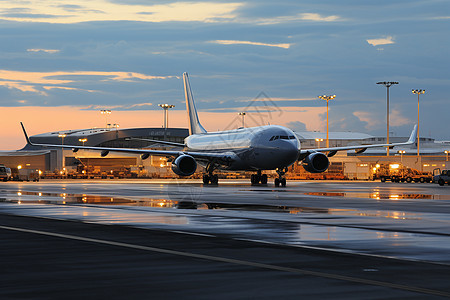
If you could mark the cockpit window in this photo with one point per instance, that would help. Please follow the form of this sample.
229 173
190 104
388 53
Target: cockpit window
282 137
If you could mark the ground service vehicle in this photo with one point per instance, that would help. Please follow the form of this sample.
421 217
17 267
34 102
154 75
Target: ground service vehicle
402 174
441 177
5 173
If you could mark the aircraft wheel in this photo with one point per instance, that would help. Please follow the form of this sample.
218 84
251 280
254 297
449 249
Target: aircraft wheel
205 179
283 182
214 179
264 179
277 182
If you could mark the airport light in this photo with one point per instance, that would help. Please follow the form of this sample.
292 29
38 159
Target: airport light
418 92
318 142
166 113
387 84
327 98
401 155
62 136
116 126
243 116
83 141
446 153
106 112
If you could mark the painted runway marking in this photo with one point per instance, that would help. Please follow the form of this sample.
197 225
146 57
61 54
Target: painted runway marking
236 262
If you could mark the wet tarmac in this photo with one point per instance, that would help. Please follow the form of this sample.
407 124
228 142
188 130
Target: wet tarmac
404 221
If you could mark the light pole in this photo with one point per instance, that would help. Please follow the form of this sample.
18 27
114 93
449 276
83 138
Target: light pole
418 92
401 155
318 142
166 114
446 153
62 136
243 116
83 141
106 112
327 98
387 84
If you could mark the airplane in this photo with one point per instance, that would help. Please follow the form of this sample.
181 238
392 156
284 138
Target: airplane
269 147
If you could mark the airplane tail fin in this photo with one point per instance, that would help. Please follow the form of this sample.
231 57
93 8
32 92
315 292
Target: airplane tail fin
26 135
413 136
194 124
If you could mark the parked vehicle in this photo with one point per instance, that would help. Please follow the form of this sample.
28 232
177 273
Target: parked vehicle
5 173
402 174
441 178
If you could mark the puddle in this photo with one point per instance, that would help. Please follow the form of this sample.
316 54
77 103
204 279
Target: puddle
380 196
25 197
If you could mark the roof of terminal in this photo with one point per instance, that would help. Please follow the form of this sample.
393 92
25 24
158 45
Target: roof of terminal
311 135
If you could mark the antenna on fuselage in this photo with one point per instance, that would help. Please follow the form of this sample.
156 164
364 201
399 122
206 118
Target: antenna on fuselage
194 124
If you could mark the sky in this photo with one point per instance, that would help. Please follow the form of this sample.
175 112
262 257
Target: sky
63 61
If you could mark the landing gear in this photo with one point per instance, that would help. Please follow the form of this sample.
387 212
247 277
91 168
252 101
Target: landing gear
281 180
258 178
210 178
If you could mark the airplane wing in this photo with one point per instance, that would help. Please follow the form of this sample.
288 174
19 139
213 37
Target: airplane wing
359 148
220 157
173 144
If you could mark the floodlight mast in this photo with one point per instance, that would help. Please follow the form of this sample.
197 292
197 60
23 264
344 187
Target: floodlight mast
166 114
418 92
387 84
327 98
242 114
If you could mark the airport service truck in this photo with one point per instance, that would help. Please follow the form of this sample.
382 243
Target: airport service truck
5 173
441 177
402 174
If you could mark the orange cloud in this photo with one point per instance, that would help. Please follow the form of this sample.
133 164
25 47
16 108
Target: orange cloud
58 11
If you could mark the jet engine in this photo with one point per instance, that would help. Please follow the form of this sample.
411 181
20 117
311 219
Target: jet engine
316 162
184 165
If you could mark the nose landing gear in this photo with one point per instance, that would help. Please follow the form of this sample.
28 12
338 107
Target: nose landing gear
281 180
210 178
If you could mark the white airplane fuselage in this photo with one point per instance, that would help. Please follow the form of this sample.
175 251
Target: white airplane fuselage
257 148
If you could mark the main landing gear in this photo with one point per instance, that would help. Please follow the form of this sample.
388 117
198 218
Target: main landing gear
281 180
210 178
258 178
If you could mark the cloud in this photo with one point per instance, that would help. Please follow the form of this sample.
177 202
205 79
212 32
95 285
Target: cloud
314 17
102 10
30 81
372 121
381 41
51 51
232 42
296 126
318 17
121 107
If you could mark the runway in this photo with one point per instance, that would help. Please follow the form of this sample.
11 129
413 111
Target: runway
376 224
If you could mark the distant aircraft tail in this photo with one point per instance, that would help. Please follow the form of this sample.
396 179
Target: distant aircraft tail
194 124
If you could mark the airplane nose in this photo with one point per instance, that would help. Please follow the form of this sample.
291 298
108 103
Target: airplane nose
290 153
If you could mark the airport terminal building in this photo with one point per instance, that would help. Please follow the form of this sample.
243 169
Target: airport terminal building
93 164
